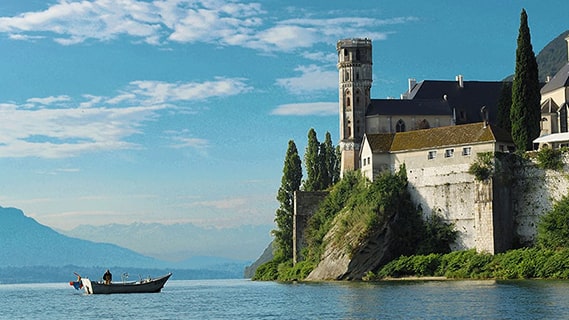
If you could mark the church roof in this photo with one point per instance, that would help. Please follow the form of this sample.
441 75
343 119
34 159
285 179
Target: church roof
559 80
437 137
469 98
408 107
380 142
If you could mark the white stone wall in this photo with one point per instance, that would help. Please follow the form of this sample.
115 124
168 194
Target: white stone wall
538 191
452 192
448 192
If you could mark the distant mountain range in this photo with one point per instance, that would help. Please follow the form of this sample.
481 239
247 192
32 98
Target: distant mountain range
33 252
179 242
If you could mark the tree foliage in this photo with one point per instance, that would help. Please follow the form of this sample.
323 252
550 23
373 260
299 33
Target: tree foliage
525 112
290 182
313 163
321 162
553 227
331 162
504 105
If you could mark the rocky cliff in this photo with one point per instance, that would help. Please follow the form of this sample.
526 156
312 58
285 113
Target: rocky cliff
351 255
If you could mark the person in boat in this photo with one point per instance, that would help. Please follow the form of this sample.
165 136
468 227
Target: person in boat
76 284
107 277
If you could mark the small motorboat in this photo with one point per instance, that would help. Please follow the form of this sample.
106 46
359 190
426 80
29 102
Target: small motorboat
148 285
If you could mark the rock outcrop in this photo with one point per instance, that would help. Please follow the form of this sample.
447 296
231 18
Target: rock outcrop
352 255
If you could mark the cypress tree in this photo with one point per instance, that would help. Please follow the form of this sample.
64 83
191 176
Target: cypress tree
331 163
525 112
290 182
313 163
504 105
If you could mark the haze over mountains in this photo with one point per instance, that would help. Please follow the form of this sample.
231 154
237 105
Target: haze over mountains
40 251
178 242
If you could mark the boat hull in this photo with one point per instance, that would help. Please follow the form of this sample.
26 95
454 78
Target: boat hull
143 286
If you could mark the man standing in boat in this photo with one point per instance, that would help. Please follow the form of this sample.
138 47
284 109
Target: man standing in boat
107 277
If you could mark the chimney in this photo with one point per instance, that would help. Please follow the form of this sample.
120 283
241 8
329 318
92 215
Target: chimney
413 82
460 81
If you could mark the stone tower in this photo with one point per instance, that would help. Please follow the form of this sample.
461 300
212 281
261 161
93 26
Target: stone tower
355 77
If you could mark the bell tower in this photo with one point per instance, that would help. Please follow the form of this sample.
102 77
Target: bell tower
355 78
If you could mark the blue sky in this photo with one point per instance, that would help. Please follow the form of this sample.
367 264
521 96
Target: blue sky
121 111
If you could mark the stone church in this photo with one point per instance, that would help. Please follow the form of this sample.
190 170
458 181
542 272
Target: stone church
426 104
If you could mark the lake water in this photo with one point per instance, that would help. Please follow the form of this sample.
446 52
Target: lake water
243 299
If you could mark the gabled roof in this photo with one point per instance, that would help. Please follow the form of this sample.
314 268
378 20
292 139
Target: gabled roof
549 106
437 137
408 107
380 142
559 80
469 98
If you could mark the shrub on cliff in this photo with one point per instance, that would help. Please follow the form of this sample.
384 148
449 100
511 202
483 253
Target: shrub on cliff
553 227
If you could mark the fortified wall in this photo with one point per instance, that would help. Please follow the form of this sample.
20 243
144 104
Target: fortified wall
491 216
305 205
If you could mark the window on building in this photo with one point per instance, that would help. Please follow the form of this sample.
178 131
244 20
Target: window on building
449 153
466 151
423 124
368 160
364 162
432 155
347 101
400 126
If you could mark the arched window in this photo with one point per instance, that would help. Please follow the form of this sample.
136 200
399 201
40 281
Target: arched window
347 101
423 124
400 126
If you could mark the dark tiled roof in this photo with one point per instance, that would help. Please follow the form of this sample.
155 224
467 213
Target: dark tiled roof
437 137
408 107
560 80
469 99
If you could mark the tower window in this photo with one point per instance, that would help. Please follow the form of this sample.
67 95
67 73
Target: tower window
347 101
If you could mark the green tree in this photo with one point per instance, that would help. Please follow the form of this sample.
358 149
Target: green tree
331 162
525 112
504 106
313 163
290 182
553 227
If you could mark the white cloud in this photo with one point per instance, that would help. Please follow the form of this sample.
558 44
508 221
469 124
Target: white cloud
159 91
222 22
53 130
307 109
49 100
312 78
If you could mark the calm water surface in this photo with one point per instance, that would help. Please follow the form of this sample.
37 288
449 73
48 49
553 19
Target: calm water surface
243 299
